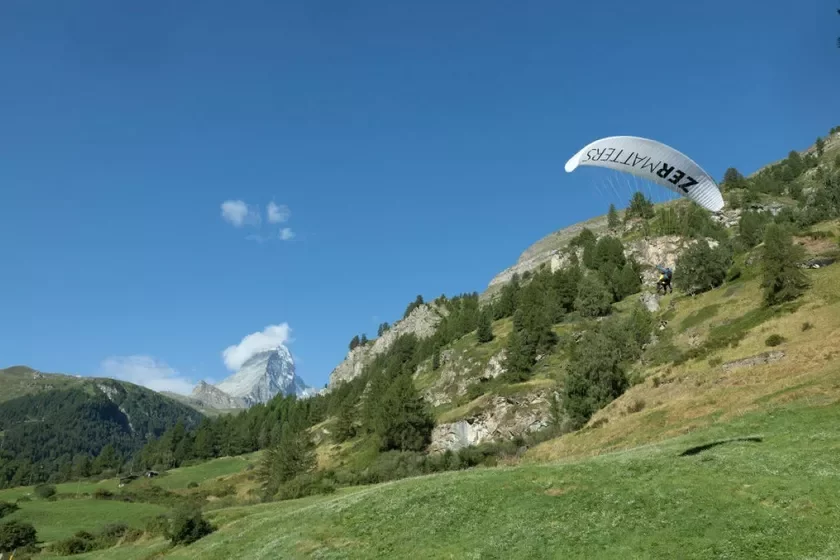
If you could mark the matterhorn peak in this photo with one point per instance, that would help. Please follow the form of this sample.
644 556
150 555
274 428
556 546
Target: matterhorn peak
264 375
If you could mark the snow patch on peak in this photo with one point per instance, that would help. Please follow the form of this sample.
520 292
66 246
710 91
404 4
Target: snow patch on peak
264 375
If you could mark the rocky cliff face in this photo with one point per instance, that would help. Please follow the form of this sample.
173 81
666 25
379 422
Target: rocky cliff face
421 322
209 396
503 418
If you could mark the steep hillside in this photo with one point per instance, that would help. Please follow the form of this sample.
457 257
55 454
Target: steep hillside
18 381
58 432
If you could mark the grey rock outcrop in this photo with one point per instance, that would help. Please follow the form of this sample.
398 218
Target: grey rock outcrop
421 322
210 396
650 301
760 359
502 419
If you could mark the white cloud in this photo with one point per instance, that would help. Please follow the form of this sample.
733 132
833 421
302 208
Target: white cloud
286 234
239 214
146 371
277 214
271 337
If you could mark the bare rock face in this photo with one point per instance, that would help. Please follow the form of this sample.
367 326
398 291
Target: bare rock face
495 367
457 373
210 396
650 301
503 419
760 359
422 322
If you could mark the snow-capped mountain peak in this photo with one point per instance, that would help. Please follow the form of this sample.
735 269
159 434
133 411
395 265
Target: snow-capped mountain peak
265 375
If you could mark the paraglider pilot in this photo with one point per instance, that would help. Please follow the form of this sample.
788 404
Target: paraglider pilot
664 281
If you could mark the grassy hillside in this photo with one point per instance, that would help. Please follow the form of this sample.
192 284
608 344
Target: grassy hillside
739 499
18 381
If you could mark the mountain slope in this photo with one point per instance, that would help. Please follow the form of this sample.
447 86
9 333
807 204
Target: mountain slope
17 381
44 433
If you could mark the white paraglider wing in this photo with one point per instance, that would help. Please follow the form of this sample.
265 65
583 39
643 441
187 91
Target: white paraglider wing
655 162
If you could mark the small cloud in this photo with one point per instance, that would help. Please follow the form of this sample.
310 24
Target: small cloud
286 234
146 371
271 337
239 214
277 214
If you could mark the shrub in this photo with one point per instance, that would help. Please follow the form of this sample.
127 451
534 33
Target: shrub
73 545
192 485
637 405
114 531
7 508
700 268
306 485
806 326
774 340
715 362
102 494
157 526
45 491
188 525
16 534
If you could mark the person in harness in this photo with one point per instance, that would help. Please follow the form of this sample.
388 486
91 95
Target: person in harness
664 282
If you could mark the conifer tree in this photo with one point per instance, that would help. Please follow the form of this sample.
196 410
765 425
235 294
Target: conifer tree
783 280
404 421
485 327
593 298
612 218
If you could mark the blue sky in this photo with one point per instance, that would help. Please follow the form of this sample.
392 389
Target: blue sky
406 148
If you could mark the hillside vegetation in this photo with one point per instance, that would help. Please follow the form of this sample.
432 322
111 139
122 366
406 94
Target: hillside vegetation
78 428
589 415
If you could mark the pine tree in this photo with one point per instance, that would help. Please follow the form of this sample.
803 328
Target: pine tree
516 362
507 302
436 360
595 377
751 229
783 280
107 460
820 145
344 428
354 343
593 298
363 340
404 421
640 207
612 218
485 327
628 281
81 466
293 455
732 179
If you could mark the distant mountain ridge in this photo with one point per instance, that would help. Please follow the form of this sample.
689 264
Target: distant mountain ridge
56 423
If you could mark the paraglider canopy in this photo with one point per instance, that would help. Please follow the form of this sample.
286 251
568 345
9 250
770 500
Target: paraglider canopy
654 161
